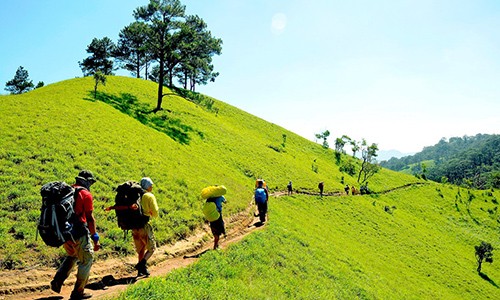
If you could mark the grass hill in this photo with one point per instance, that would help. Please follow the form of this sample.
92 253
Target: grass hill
412 239
52 132
411 243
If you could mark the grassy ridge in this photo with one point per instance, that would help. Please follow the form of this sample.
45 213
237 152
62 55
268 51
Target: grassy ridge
422 247
53 132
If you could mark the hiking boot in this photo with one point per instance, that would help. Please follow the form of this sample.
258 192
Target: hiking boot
143 272
79 296
56 287
141 268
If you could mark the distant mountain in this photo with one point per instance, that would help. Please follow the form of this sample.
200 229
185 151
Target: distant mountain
388 154
473 161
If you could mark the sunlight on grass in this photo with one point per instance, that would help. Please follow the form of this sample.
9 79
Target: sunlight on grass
406 241
342 248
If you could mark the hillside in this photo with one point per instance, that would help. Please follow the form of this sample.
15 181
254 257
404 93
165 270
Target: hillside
51 133
415 242
471 161
411 239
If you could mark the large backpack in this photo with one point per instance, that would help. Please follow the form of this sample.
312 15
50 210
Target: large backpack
260 195
210 210
129 193
57 217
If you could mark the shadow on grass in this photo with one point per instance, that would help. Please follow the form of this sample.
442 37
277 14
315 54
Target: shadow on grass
129 105
485 277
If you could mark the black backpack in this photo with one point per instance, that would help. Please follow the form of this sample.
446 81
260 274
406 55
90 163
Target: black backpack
57 217
129 193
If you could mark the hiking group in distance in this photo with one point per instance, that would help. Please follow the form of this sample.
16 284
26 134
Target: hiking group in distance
67 220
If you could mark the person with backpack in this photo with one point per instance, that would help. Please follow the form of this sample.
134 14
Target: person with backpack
217 225
212 210
134 205
289 188
79 248
261 197
321 186
144 238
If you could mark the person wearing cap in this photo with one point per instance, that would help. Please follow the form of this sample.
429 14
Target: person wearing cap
80 251
144 239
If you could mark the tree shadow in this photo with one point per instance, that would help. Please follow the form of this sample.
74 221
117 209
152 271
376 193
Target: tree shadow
487 278
130 105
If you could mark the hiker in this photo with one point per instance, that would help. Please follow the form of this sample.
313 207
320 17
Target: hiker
217 226
261 197
289 187
134 205
144 238
353 190
80 250
321 185
346 189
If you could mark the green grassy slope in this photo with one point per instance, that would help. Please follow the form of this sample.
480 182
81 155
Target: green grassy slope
412 243
53 132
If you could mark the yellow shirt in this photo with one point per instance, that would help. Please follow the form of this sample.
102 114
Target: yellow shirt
149 205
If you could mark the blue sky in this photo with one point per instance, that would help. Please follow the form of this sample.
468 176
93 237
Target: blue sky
401 73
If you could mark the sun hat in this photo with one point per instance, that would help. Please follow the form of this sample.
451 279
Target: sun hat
146 183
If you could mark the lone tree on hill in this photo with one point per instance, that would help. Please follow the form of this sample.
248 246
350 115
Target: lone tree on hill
483 252
163 18
99 77
341 142
181 44
368 166
324 135
101 59
20 83
354 147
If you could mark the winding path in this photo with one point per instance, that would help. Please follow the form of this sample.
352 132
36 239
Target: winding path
111 276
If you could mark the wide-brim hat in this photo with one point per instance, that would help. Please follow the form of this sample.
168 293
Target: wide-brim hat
86 175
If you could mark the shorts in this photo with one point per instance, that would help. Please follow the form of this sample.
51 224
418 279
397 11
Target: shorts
218 226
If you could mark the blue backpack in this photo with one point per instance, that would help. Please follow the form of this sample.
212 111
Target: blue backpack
260 196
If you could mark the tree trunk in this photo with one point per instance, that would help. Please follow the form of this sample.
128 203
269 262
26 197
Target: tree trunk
479 264
170 78
138 67
160 84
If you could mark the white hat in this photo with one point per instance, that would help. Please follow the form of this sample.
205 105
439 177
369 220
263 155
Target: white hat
146 183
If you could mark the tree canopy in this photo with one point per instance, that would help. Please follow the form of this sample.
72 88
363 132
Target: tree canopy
472 161
131 50
20 83
163 19
164 42
101 51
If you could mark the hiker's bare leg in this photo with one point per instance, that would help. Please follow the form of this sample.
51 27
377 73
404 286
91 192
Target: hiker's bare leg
216 241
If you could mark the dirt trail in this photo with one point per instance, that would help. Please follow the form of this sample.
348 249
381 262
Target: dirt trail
111 276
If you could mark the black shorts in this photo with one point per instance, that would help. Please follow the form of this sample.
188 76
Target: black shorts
218 226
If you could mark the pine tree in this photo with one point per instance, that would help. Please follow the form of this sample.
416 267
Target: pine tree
20 83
